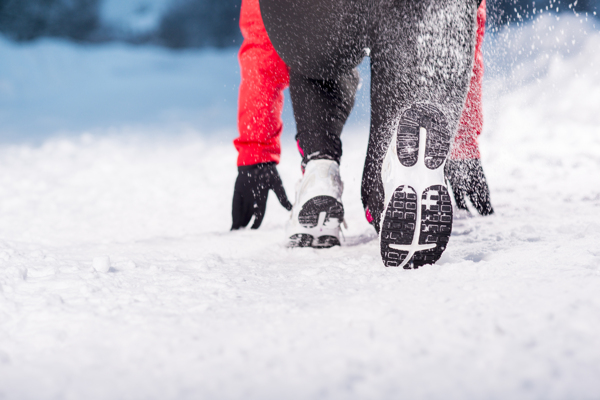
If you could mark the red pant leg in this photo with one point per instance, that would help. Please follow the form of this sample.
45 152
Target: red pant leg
264 78
471 123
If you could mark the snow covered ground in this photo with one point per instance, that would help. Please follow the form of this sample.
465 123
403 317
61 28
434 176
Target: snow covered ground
189 310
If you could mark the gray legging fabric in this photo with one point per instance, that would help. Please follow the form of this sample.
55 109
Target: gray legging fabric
421 53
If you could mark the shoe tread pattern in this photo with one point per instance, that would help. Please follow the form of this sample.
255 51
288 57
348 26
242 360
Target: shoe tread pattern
325 242
300 240
438 136
436 224
398 226
309 215
407 140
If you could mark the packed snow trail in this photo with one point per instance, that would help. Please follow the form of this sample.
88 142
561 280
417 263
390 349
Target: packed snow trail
190 310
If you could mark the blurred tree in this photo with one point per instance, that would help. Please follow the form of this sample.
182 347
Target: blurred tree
198 23
29 19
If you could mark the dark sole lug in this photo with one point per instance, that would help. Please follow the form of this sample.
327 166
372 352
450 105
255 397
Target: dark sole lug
436 224
309 215
399 224
306 240
300 240
326 242
438 136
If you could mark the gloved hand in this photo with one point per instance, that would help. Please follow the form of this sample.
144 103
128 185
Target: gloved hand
251 191
467 179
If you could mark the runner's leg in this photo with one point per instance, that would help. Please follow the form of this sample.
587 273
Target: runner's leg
423 54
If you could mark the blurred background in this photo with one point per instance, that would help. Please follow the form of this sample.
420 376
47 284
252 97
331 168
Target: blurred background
68 66
169 23
183 23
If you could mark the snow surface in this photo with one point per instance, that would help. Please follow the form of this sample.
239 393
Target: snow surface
189 310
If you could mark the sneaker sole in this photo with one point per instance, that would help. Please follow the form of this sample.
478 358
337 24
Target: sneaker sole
417 221
318 225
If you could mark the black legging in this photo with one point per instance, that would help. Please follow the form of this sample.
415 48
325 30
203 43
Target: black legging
421 53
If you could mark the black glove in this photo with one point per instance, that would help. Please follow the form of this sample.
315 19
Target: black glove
468 180
251 191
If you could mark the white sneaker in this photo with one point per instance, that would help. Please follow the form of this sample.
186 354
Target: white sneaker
417 219
318 210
